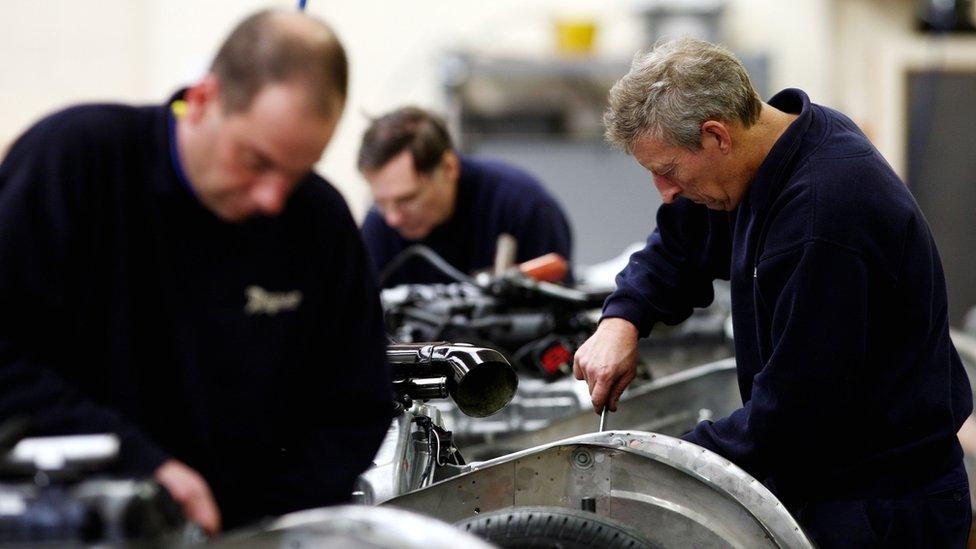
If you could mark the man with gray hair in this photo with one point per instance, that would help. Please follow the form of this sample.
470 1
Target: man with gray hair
178 275
852 389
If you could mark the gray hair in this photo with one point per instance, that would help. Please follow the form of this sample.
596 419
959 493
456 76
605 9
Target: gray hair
673 88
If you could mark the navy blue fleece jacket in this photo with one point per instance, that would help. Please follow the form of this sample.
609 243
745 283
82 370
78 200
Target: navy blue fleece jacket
493 198
127 307
850 383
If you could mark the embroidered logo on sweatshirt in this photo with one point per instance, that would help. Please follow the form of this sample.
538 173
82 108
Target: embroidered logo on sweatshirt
261 301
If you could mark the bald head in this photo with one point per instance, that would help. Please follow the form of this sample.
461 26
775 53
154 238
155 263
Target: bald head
272 47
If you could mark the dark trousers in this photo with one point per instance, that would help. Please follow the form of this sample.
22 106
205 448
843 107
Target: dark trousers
936 515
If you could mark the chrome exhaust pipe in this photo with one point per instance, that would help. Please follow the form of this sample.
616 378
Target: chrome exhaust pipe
479 380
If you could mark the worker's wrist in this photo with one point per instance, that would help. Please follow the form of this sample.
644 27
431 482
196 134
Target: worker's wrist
629 310
619 326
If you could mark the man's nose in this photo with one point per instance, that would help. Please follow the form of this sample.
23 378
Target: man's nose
270 193
668 189
394 217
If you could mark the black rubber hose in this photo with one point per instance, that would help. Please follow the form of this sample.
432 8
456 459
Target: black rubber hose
419 250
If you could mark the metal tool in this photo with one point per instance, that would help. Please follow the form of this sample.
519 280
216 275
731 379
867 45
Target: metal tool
505 250
603 418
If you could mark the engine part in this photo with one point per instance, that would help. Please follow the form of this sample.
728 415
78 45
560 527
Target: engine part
479 380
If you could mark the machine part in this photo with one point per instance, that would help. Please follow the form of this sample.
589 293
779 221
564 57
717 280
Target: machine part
92 512
551 267
676 494
537 404
436 445
506 247
400 463
582 459
552 528
549 357
539 327
671 405
705 415
48 495
135 510
352 527
60 455
479 380
418 450
556 357
422 389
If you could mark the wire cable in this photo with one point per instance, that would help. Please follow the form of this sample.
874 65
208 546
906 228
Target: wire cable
429 468
419 250
437 456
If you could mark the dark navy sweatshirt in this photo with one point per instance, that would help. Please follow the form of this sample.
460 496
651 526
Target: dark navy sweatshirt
253 352
850 383
493 198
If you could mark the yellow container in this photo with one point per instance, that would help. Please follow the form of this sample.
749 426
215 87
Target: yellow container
575 36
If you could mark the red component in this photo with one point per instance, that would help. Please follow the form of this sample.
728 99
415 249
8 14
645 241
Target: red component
554 357
548 268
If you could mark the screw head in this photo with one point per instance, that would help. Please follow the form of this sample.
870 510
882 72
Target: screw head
582 458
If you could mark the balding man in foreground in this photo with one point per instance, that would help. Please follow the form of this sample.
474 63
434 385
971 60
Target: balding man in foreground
177 275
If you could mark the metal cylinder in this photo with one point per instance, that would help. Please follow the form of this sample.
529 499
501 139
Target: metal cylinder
479 379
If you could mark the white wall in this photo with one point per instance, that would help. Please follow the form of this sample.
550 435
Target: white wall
395 47
797 34
873 58
58 52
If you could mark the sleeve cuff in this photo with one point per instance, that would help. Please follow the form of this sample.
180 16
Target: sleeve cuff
631 311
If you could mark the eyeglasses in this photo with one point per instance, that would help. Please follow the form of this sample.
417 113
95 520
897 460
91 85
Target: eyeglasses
414 200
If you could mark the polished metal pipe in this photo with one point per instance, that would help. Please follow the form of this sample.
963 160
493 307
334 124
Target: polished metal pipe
480 380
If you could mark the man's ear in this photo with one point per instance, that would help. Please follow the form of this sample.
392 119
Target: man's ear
451 165
716 134
201 96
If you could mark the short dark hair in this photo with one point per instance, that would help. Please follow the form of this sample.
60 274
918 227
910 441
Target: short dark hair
421 132
274 46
